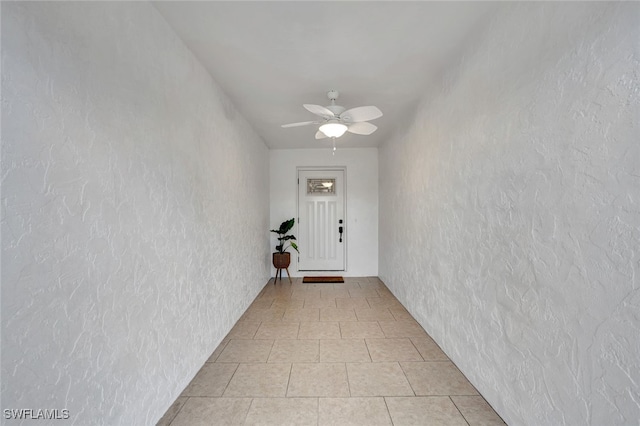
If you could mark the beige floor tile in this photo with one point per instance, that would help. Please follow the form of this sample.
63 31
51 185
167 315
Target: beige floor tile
246 351
320 379
337 314
437 378
171 413
402 329
378 379
288 350
271 281
211 380
322 354
384 291
288 303
401 314
344 350
244 330
476 411
319 303
351 282
306 294
373 285
375 314
315 286
418 411
360 330
266 288
392 350
283 411
334 293
388 302
353 285
319 330
257 314
429 350
277 292
352 303
305 314
278 330
259 380
284 294
283 280
340 286
216 353
353 412
363 292
262 302
200 411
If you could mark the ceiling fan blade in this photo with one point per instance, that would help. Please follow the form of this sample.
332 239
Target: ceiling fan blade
320 135
362 128
364 113
302 123
319 110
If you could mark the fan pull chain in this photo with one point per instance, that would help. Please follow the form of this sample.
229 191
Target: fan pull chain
333 152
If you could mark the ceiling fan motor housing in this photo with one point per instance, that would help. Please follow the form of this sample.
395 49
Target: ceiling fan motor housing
335 109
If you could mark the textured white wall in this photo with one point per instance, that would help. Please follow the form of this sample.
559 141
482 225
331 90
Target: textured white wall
510 215
362 200
135 211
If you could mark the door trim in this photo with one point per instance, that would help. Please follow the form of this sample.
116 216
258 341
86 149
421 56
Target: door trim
346 240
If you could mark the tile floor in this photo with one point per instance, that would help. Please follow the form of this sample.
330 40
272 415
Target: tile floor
329 354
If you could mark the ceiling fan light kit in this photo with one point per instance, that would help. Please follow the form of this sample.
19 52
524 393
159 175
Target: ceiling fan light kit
336 120
333 129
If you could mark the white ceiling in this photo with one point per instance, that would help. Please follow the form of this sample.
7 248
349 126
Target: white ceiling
271 57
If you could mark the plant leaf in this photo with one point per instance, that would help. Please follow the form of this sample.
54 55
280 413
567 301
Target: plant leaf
286 226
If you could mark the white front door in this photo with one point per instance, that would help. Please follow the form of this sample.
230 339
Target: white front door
321 218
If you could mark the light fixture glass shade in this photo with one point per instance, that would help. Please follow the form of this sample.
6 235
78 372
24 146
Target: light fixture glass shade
333 130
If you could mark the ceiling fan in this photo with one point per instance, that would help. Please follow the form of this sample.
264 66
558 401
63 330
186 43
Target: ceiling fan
336 120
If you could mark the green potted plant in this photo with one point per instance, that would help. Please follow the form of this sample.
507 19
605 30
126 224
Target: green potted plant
282 258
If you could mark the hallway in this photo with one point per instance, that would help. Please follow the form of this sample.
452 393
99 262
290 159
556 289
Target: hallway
329 354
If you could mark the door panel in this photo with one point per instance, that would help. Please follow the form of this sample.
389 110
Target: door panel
321 205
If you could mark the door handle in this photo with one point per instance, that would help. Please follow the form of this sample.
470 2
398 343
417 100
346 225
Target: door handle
340 229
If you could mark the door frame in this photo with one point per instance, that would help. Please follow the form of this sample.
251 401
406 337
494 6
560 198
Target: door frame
344 207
